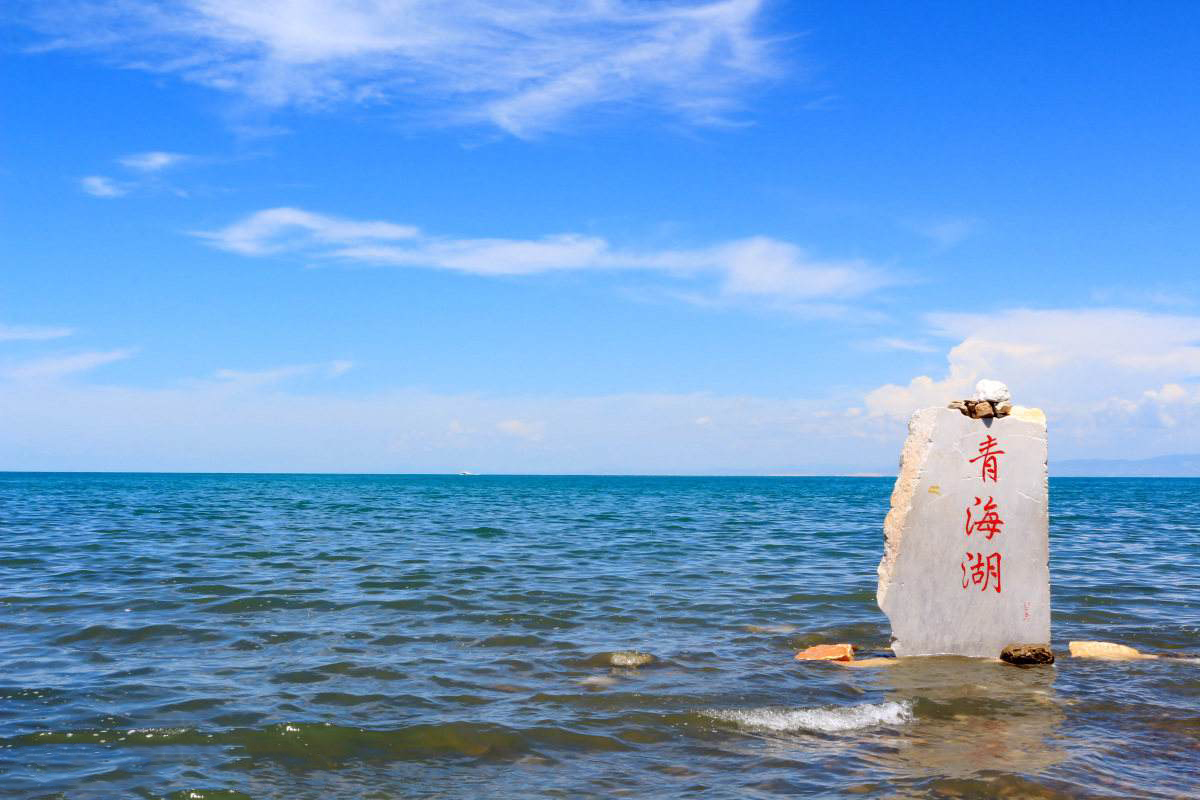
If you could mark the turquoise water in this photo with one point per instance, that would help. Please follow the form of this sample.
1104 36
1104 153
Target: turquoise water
203 636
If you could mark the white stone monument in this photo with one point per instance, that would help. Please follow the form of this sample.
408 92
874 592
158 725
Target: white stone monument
965 568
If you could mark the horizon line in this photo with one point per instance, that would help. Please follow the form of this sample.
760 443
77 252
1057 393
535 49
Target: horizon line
871 475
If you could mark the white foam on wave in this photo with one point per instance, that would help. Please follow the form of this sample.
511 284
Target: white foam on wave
830 719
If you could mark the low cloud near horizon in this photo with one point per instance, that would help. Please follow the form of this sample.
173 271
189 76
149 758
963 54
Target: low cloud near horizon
211 426
1115 383
1102 375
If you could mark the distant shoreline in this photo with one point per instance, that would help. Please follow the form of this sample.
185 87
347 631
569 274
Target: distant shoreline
1063 470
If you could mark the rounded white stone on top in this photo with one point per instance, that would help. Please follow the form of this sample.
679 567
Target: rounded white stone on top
992 391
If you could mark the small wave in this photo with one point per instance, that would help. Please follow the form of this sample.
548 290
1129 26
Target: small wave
327 746
486 532
94 634
830 719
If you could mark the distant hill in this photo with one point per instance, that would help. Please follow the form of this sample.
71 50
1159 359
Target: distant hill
1176 466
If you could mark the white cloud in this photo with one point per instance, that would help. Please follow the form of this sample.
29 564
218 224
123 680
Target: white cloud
145 169
1115 384
32 333
1111 380
893 343
152 161
947 232
266 377
521 428
278 230
1170 406
54 367
205 426
521 65
100 186
744 268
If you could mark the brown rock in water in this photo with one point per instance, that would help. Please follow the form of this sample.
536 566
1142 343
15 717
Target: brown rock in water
1026 654
630 658
1108 651
982 410
827 652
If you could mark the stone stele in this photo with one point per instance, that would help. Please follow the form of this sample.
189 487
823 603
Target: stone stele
937 583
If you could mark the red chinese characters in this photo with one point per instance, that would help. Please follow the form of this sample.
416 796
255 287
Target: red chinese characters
989 523
990 467
981 571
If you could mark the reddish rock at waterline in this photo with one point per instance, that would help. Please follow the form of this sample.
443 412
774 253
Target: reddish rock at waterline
827 652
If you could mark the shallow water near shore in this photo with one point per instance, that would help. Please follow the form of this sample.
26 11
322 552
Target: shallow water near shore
207 636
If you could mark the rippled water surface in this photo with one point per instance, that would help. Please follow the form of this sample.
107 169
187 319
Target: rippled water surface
205 636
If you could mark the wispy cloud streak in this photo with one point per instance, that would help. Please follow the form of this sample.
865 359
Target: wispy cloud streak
101 186
757 266
32 333
55 367
521 65
152 161
268 377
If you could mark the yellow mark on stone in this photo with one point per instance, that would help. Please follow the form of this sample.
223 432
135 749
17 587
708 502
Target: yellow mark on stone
1034 415
935 489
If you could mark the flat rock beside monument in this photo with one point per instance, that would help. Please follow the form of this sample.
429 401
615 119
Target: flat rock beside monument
1106 651
827 652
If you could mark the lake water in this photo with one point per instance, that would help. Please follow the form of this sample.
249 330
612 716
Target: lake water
205 636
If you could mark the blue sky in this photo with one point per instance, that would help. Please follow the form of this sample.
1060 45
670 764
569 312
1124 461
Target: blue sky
728 236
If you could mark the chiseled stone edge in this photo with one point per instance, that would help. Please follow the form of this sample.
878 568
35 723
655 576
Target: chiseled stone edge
912 459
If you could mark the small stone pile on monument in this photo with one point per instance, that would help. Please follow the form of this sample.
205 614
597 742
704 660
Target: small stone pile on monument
965 569
992 399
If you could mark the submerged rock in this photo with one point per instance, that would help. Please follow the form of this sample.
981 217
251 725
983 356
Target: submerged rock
598 681
630 658
827 652
1107 651
771 628
1027 654
878 661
